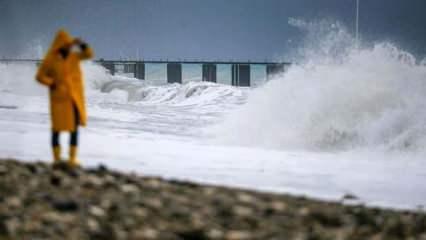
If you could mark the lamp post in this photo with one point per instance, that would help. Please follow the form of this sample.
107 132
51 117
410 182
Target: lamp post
357 23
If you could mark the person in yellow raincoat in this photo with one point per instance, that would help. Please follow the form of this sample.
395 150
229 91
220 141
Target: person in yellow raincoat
60 71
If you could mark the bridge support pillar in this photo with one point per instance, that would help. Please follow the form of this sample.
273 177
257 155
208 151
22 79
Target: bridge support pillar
109 66
241 75
273 69
209 72
174 72
140 70
129 68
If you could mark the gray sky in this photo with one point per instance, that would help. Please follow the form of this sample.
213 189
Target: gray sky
201 29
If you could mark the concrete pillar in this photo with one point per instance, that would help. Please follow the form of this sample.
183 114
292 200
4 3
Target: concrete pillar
174 72
109 66
234 77
209 72
241 75
273 69
129 68
140 70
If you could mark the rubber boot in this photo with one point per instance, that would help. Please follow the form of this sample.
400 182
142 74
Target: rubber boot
73 161
56 154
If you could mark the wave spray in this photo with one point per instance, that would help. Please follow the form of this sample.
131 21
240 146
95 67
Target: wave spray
337 96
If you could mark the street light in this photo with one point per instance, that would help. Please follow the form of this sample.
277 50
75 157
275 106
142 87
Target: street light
357 23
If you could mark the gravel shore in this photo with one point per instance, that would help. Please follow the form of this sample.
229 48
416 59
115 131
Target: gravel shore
39 202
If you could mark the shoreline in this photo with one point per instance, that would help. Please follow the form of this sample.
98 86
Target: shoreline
39 202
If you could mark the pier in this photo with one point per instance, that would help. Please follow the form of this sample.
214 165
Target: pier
240 71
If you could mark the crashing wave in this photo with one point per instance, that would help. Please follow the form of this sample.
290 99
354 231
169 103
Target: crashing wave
367 97
19 79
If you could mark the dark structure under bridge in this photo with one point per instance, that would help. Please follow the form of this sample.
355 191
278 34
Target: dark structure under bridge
239 71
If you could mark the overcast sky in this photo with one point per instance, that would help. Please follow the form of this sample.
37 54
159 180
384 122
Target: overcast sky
201 29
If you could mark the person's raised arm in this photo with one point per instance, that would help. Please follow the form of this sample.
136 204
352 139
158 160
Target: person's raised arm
86 51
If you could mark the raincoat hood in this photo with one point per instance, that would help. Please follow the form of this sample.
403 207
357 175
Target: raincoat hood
62 38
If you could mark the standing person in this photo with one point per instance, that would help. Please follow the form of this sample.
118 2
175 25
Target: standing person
60 72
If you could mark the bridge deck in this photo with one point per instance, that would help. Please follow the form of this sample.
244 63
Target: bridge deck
240 70
164 61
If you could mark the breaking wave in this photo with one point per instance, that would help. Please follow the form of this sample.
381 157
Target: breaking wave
191 93
340 96
18 79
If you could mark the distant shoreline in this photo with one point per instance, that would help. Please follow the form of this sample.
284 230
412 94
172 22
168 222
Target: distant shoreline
38 202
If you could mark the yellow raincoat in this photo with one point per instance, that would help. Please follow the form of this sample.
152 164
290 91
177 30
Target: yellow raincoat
65 81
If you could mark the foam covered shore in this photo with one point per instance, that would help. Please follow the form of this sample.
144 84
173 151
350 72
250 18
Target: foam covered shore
38 202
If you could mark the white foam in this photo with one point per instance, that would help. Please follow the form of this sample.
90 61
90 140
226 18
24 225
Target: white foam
17 78
338 98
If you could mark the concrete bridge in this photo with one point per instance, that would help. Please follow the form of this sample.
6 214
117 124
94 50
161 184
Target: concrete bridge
240 71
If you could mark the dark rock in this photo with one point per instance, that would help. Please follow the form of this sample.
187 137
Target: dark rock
55 180
193 234
419 225
224 211
328 219
65 205
74 172
349 196
185 184
44 196
102 168
32 168
99 170
363 217
396 229
62 166
268 212
3 227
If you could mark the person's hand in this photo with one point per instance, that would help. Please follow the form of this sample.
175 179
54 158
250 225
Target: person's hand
80 43
77 41
83 46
